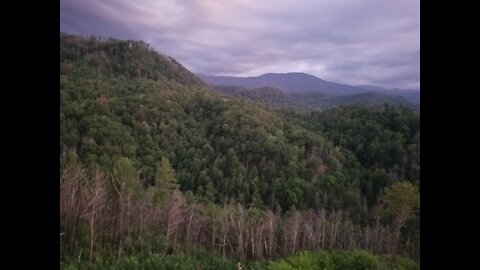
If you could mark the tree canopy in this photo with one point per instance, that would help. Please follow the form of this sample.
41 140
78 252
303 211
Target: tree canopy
151 127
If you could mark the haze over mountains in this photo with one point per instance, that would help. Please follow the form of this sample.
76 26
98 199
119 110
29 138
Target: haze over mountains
295 82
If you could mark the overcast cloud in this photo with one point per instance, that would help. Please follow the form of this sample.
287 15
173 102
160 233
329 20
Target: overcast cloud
375 42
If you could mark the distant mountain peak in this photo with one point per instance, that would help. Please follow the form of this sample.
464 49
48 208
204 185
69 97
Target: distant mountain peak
299 82
290 82
290 75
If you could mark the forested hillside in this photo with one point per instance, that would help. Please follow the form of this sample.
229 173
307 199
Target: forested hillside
301 83
156 165
306 102
292 82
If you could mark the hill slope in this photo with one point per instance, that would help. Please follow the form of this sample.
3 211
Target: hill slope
113 106
120 99
310 101
370 99
153 161
270 96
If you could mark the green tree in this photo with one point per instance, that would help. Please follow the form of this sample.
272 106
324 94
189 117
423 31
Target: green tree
127 176
165 181
401 199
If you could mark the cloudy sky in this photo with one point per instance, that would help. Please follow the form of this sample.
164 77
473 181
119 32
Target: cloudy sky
375 42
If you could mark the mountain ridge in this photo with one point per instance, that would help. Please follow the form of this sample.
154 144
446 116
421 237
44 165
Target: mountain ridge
299 82
165 164
311 101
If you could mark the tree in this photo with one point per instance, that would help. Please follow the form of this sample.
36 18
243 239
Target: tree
165 176
377 213
401 200
95 200
128 176
136 115
174 217
165 180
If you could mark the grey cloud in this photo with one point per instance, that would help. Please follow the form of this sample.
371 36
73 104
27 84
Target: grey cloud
347 41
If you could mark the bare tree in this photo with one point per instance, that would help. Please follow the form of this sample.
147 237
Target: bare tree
292 231
238 220
174 217
70 204
95 200
271 228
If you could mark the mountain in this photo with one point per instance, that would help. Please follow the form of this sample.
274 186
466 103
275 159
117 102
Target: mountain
310 101
372 88
160 171
302 82
119 58
270 96
370 99
411 95
289 82
120 101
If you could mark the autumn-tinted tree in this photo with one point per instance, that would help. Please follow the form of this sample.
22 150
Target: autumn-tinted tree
401 199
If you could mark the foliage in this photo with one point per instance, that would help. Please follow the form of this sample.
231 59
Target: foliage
146 146
401 199
338 260
341 260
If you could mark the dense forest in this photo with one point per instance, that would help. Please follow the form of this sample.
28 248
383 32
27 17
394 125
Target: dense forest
158 170
304 102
